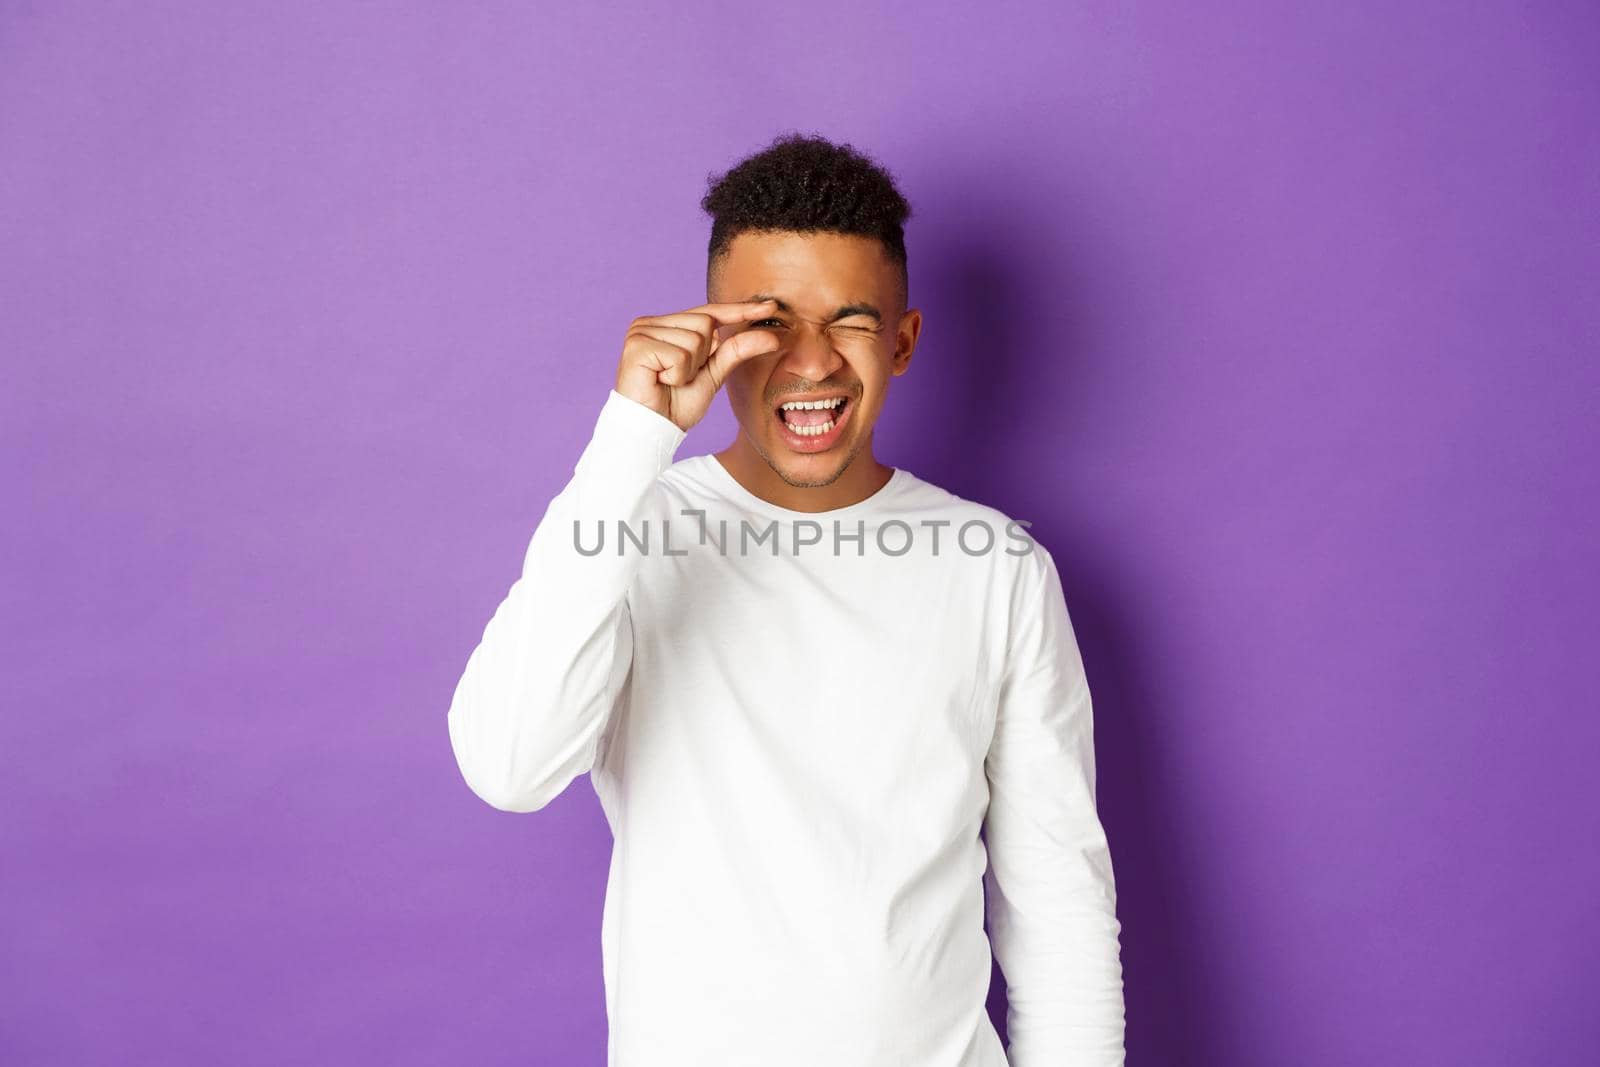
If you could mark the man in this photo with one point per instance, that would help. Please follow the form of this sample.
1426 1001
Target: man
802 681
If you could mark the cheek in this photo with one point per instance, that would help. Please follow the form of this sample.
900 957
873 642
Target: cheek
873 371
742 385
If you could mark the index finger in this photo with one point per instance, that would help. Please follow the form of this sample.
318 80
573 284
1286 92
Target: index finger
725 314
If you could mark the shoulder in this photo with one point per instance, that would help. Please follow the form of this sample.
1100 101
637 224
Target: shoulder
685 473
1020 560
686 482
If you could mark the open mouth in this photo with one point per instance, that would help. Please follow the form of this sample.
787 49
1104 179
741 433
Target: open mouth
812 425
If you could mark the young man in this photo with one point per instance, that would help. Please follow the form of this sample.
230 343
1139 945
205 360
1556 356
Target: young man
802 681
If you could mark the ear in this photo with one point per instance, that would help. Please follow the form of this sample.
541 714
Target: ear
905 341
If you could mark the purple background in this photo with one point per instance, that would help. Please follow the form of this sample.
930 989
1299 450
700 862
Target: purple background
1281 326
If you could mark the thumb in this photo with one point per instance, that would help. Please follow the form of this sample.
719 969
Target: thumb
732 351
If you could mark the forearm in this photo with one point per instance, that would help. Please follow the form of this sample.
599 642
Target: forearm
1056 934
1051 889
535 697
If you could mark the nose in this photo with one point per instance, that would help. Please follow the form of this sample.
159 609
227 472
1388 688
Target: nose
810 354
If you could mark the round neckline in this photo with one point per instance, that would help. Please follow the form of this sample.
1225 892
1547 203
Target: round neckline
755 503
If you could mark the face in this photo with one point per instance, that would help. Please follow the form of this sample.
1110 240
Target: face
843 334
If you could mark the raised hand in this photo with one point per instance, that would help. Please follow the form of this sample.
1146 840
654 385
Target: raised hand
674 364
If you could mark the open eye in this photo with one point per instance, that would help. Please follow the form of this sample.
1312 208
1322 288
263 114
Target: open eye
761 322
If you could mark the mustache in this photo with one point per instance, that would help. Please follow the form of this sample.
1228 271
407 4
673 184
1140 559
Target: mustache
853 391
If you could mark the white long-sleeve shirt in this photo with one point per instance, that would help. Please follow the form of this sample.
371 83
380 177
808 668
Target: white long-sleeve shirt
796 734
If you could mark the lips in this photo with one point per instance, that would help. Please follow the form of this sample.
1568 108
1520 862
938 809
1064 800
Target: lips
811 426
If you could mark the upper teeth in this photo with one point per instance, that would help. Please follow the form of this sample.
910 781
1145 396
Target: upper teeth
800 405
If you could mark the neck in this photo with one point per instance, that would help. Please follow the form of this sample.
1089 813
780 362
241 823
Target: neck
861 477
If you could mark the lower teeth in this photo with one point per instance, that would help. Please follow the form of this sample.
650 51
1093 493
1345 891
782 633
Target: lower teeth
812 431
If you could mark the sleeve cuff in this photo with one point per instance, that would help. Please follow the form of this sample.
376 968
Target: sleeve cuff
630 441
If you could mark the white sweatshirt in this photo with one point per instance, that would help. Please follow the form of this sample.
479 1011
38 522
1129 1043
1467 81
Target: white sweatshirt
796 748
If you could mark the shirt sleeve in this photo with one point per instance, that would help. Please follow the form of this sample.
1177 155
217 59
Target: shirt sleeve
538 691
1050 886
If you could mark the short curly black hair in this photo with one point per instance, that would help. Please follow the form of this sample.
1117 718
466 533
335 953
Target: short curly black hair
806 183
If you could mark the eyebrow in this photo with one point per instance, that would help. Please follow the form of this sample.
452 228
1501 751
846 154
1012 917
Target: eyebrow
845 312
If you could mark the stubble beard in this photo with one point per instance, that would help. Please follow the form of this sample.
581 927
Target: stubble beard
829 480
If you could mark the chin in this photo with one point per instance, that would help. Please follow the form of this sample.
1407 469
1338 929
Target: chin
808 469
811 475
